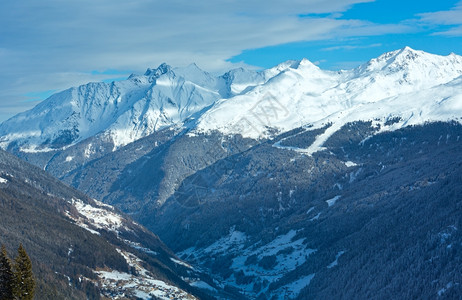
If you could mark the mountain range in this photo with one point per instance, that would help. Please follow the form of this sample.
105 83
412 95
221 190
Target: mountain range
282 183
250 103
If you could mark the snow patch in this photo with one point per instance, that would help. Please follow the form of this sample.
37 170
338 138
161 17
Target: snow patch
234 241
335 262
99 217
81 223
332 201
91 217
286 252
203 285
350 164
315 217
291 291
444 289
182 263
89 151
354 175
138 246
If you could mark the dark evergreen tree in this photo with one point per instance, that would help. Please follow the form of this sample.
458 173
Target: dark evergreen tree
6 276
24 286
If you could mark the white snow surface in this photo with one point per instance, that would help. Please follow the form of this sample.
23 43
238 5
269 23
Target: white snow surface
413 85
3 180
315 217
444 289
123 111
93 217
332 201
138 246
350 164
235 240
143 285
406 83
101 218
182 263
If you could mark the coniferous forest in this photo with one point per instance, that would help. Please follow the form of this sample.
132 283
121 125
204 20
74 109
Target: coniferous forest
16 277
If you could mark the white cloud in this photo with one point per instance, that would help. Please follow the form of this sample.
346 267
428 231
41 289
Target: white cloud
451 18
53 44
351 47
455 31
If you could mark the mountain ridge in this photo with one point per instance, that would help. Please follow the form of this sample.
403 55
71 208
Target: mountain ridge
124 111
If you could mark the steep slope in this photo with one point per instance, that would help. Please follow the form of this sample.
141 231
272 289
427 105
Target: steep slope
122 111
81 248
370 217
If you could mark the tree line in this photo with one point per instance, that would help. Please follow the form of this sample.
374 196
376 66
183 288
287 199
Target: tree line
16 276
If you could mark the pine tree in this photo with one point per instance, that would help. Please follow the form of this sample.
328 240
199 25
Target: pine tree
6 276
24 286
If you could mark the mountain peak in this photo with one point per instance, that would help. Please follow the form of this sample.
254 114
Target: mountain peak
295 64
162 69
407 53
402 59
305 63
190 71
407 49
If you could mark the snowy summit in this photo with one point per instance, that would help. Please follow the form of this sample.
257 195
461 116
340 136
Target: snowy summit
411 85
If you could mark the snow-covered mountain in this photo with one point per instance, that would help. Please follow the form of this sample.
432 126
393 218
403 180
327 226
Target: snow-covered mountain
302 94
253 104
121 112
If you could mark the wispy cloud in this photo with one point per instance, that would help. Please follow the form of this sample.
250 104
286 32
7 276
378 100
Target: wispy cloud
53 44
450 19
351 47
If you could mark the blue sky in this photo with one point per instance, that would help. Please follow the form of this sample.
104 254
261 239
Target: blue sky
347 52
50 45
